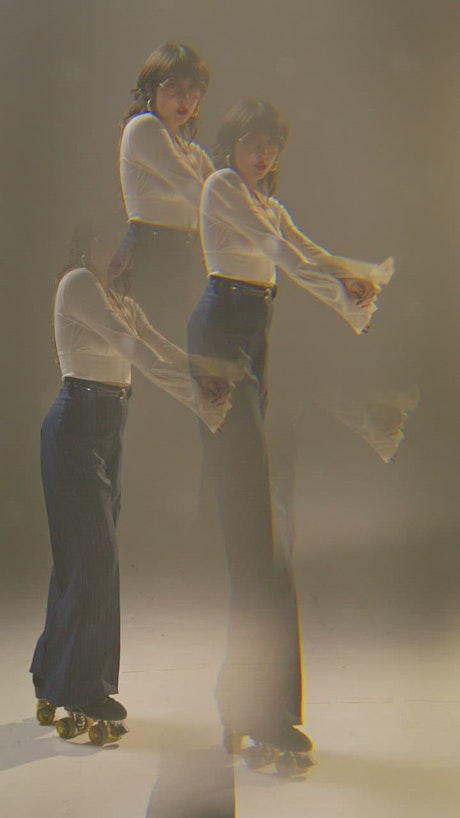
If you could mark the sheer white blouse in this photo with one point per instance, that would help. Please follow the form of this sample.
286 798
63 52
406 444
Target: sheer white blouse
161 177
98 339
247 238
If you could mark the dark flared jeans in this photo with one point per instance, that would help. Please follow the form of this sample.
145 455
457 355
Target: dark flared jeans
167 280
260 683
167 275
77 655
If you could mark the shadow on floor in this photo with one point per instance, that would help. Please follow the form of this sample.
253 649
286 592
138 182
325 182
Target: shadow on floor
193 783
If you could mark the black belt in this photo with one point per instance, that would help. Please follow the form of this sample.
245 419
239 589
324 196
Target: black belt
159 232
98 389
235 286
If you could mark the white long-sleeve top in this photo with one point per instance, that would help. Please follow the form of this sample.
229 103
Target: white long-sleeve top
161 177
98 340
248 238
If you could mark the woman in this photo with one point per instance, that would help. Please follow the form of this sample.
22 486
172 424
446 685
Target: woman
246 235
162 171
99 333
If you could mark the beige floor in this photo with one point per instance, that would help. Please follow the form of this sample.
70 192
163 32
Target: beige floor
382 703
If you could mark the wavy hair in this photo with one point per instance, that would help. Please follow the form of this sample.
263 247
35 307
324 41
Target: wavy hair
79 251
168 61
250 117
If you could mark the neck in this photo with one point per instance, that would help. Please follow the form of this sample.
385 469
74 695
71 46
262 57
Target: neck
173 130
250 183
101 276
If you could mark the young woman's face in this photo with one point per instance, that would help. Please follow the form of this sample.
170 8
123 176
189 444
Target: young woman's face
254 156
176 100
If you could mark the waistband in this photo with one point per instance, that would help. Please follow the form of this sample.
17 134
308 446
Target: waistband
96 388
160 232
239 288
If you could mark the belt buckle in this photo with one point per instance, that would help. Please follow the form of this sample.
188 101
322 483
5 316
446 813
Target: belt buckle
123 392
267 294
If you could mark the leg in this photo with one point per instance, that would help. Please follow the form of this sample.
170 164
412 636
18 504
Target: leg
162 431
260 682
78 654
166 267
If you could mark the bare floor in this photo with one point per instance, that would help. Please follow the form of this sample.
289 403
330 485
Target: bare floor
381 702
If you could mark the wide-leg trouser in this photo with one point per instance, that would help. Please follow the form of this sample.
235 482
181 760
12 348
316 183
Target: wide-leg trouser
260 683
77 655
167 280
167 275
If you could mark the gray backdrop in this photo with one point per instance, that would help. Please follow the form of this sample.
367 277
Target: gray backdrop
370 89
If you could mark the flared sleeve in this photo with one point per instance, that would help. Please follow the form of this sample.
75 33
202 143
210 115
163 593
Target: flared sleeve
167 366
235 230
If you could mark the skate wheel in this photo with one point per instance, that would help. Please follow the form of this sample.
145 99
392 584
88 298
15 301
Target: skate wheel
116 729
291 764
258 756
303 762
45 713
66 727
81 723
98 734
286 765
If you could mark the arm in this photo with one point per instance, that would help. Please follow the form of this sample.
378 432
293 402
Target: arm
85 302
228 207
227 201
152 146
309 249
216 377
362 289
332 279
166 350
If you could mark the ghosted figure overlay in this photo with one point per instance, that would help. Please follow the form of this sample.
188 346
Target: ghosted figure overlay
99 333
247 233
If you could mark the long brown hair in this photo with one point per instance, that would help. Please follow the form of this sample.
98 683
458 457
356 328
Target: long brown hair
250 117
79 250
168 61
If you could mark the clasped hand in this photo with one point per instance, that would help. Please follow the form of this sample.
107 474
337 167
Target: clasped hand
362 290
216 390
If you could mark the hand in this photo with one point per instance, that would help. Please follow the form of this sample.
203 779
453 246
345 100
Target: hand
363 291
214 389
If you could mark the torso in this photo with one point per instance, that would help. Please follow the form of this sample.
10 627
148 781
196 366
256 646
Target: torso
230 250
161 177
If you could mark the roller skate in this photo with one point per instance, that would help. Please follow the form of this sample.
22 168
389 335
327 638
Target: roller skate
102 720
288 749
45 711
